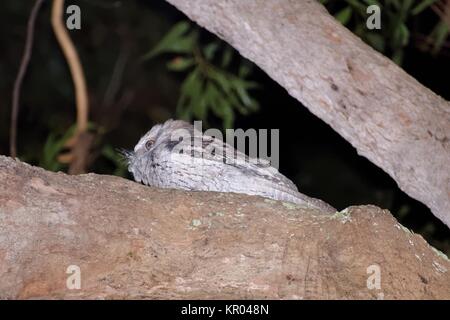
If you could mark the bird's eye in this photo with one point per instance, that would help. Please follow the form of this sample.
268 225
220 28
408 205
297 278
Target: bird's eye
149 144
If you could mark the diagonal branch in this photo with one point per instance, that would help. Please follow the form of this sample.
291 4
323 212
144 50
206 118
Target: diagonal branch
389 117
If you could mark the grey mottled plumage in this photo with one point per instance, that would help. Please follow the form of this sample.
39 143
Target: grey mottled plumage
204 163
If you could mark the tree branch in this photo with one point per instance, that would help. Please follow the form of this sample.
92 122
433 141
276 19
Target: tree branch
132 241
389 117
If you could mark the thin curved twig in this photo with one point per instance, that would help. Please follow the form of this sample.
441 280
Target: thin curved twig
74 64
20 76
81 141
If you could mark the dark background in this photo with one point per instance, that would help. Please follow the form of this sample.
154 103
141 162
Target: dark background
113 33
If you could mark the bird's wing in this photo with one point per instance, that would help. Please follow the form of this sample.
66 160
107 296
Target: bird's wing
214 149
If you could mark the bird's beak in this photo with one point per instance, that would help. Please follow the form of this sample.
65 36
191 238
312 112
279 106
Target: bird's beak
127 155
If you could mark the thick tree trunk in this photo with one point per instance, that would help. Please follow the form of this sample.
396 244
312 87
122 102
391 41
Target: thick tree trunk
388 116
132 241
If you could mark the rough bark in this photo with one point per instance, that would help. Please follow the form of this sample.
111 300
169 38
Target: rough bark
389 117
133 241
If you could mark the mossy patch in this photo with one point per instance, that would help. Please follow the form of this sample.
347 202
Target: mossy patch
343 215
291 206
196 223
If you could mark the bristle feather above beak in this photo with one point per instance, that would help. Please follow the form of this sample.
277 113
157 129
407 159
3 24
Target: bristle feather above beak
127 155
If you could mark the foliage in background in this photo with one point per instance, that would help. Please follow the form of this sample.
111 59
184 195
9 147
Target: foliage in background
396 17
402 25
115 157
208 86
53 147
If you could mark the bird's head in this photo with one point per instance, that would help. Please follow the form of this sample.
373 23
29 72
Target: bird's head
161 135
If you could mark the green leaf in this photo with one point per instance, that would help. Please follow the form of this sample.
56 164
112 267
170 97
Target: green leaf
200 109
395 3
196 97
209 88
344 15
406 5
109 153
210 50
190 81
249 84
244 96
227 56
439 33
376 41
182 111
53 147
174 41
221 79
397 57
424 4
244 69
211 94
228 116
404 34
234 101
372 2
50 150
357 5
191 90
254 106
180 64
400 36
224 110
